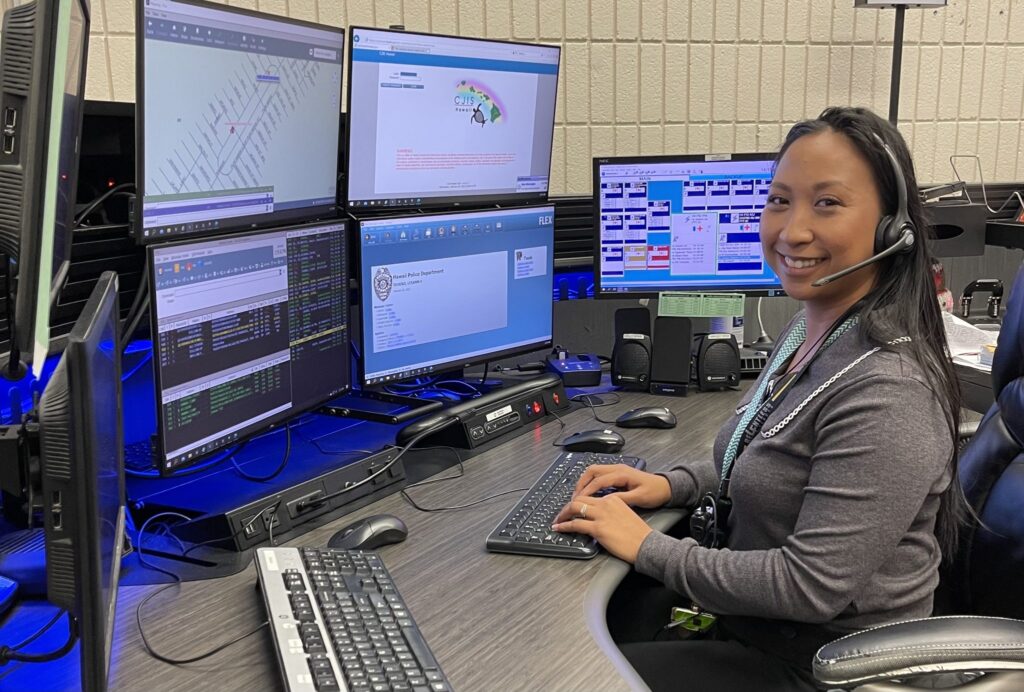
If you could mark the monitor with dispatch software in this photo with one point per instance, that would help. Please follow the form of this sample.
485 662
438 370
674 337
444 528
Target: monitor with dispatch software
248 330
445 291
442 121
681 223
237 119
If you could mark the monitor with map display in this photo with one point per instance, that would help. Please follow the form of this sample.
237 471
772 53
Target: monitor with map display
237 119
445 121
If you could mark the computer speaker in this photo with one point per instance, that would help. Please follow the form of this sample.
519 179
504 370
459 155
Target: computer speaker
631 355
716 361
670 363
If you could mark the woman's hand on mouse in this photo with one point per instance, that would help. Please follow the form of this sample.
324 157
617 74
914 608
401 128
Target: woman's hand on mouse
608 519
636 488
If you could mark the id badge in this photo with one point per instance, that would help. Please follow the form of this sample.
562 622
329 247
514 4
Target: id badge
692 620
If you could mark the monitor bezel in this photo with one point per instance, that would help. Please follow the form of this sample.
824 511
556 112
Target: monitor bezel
600 161
33 157
239 223
462 202
458 362
95 626
276 420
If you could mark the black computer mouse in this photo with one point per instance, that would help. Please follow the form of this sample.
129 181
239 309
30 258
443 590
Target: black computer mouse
370 533
605 441
647 417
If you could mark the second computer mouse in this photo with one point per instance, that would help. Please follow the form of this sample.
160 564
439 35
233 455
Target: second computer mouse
647 417
370 533
605 441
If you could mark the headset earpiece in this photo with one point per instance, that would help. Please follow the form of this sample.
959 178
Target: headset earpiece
895 229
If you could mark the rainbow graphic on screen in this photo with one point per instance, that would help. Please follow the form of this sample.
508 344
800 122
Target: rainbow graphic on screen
480 103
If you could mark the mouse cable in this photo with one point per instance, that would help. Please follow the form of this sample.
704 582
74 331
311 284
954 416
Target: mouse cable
13 653
459 474
349 487
280 467
463 506
177 582
555 442
588 400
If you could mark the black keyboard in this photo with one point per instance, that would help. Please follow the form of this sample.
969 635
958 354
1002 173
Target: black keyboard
527 528
338 622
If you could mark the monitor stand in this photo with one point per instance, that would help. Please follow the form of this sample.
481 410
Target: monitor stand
381 406
378 406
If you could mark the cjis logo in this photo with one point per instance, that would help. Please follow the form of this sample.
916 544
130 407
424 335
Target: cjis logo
479 103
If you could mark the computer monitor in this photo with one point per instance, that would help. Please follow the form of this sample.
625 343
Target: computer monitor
445 121
82 468
248 330
42 78
237 118
681 223
451 290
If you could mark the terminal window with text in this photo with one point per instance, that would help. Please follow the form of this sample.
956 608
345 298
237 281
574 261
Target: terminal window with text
436 120
449 290
239 118
250 329
682 224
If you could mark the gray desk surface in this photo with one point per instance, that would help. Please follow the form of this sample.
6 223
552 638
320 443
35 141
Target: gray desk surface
494 621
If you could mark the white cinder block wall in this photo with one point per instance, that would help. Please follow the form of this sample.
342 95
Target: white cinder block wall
670 76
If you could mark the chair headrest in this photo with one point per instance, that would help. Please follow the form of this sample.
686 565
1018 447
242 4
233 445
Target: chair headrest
1008 364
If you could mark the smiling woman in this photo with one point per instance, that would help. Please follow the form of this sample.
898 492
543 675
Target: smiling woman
832 495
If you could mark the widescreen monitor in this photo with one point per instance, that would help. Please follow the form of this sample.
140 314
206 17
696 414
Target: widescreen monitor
237 119
681 223
42 79
82 468
445 121
441 292
248 330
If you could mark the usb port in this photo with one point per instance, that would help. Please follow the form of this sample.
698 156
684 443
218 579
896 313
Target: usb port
8 144
56 498
56 520
10 117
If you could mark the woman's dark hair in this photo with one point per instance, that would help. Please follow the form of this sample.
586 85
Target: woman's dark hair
905 287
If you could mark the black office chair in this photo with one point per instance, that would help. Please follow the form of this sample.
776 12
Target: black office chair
983 651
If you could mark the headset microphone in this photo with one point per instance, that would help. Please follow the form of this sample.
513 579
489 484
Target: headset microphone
895 233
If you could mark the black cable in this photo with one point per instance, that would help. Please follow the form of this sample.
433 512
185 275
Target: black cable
461 472
8 654
139 303
280 467
12 653
177 582
100 200
40 632
586 399
130 328
555 442
463 506
317 501
237 533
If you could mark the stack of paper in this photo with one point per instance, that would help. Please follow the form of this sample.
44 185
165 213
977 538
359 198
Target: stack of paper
966 342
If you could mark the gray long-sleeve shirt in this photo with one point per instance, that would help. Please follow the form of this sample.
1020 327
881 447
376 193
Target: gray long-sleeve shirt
833 517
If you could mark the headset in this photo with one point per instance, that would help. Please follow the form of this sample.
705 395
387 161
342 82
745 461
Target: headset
894 234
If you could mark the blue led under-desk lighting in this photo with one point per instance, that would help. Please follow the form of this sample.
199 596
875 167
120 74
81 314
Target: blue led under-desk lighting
450 290
681 223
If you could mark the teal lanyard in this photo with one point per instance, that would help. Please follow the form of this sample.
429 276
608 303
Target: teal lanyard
797 335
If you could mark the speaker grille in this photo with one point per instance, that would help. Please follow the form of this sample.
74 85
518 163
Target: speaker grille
12 182
60 572
55 425
17 47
